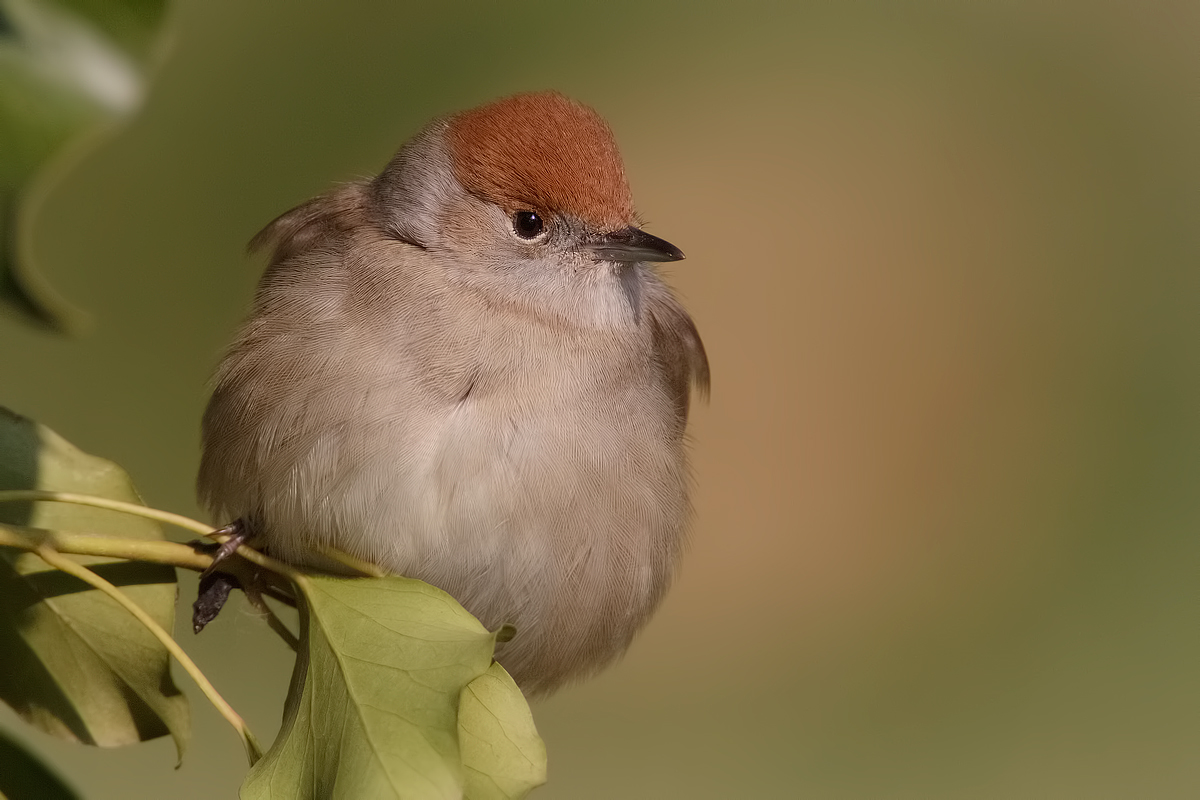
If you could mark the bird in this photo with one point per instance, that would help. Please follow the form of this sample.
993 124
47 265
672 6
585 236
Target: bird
467 370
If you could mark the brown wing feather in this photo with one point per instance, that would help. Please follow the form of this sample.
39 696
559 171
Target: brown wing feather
296 230
678 349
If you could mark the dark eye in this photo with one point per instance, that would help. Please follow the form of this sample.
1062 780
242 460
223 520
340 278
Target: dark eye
528 225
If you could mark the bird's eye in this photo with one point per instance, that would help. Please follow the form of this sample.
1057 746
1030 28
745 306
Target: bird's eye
528 225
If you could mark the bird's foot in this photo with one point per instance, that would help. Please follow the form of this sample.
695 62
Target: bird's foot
215 586
237 533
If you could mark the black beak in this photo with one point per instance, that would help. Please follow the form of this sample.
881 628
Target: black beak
633 244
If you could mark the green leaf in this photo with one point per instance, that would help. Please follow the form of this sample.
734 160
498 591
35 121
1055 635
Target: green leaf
69 70
503 756
72 661
25 777
373 710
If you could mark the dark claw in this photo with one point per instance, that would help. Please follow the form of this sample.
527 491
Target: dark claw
214 591
216 586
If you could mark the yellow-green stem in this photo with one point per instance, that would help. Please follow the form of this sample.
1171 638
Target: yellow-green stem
178 520
58 561
256 599
82 544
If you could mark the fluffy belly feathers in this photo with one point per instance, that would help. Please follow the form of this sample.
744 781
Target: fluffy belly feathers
575 555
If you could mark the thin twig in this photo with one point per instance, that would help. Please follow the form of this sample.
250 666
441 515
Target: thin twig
58 561
352 562
254 596
178 520
275 593
82 544
255 557
151 551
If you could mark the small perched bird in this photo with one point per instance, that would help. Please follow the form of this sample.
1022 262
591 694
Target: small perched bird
465 371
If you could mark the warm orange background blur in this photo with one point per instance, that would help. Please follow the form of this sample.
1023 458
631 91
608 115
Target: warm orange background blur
946 260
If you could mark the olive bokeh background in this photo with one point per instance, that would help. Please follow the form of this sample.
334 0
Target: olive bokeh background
946 260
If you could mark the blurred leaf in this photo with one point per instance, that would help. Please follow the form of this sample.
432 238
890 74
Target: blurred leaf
133 26
68 71
503 756
373 709
73 662
25 777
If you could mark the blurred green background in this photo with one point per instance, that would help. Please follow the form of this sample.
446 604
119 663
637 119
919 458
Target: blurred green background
946 260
